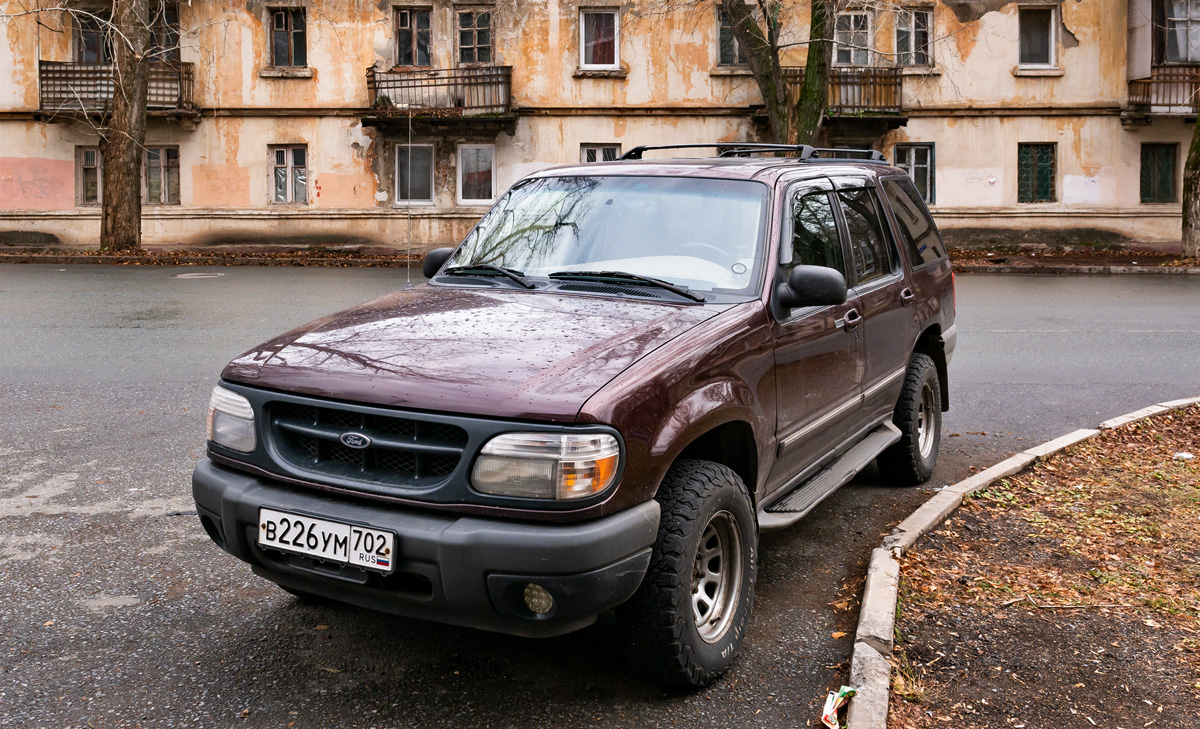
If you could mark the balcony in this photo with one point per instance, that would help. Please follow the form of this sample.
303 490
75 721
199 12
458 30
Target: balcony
442 99
1170 91
855 91
73 89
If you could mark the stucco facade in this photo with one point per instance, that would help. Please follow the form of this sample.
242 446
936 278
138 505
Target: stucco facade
374 96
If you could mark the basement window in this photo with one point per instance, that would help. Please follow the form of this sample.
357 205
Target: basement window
599 152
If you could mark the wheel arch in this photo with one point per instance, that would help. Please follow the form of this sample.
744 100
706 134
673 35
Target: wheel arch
731 444
931 344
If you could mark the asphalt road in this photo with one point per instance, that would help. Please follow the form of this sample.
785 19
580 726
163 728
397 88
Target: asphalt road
118 611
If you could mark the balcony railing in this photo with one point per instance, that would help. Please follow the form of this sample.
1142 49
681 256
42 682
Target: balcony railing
855 90
445 92
1170 90
77 87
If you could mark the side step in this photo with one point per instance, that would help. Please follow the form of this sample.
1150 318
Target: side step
792 507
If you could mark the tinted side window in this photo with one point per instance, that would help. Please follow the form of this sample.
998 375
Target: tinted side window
872 257
814 233
917 231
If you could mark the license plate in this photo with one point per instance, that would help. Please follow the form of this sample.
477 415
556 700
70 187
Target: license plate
331 541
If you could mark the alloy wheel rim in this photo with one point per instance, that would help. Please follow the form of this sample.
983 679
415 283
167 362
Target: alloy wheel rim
717 576
926 421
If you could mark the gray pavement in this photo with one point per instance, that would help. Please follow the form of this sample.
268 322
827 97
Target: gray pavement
119 612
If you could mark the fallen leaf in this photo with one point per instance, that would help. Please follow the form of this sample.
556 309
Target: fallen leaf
838 634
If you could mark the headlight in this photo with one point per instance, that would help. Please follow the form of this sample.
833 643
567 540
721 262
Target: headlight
547 465
230 420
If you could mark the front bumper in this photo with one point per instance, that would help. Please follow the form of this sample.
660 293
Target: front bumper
463 570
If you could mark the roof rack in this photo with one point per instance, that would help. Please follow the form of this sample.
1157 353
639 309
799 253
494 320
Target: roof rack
742 149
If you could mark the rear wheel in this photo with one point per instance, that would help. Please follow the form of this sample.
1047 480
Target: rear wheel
686 623
918 415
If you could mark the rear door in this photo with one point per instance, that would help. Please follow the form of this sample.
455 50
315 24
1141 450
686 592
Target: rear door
818 357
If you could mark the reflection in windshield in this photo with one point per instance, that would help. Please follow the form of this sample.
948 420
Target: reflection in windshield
700 233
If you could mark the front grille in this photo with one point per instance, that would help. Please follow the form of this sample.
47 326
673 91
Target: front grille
402 452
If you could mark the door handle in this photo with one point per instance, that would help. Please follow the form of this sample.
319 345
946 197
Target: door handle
907 297
853 319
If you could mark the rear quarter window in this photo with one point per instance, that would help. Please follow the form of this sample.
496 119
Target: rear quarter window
918 233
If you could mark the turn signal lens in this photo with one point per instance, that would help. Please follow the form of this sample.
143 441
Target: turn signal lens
547 465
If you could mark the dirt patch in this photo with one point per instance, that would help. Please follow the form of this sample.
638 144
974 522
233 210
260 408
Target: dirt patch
1099 255
233 256
1066 596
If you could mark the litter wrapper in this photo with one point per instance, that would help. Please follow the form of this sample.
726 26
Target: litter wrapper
835 700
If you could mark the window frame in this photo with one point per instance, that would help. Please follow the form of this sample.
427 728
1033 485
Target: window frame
929 197
1161 13
598 148
80 152
397 201
837 45
289 13
1053 175
459 175
1052 39
895 269
414 32
163 171
616 64
1174 196
104 46
290 166
474 30
739 55
165 32
902 232
909 14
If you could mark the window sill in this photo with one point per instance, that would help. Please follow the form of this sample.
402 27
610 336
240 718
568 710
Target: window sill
600 73
731 71
284 72
920 71
1037 72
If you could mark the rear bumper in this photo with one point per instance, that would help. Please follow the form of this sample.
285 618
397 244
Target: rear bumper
463 570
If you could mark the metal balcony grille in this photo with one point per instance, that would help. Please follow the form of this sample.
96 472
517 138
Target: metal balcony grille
402 452
77 87
1170 90
467 91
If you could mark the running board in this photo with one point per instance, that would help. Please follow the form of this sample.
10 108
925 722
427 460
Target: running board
795 504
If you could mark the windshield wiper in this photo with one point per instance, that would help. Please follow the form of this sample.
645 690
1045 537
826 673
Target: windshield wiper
623 276
487 269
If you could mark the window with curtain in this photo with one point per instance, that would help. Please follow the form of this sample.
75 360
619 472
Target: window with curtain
1037 37
289 174
476 173
598 39
1181 28
414 173
852 38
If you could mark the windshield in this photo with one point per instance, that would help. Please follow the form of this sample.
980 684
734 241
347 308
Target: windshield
703 234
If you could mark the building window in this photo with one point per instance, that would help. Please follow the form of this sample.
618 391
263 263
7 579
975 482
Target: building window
476 172
599 152
912 37
164 31
917 161
414 174
599 37
93 43
1037 36
851 37
1035 173
89 176
162 176
730 52
289 47
289 174
412 37
1158 172
475 37
1181 26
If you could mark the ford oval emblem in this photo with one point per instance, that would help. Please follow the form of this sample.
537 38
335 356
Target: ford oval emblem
355 440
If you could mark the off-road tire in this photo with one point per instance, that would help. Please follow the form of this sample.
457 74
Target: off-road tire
918 415
658 624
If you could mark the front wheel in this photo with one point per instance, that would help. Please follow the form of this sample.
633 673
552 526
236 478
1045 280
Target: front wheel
918 415
686 623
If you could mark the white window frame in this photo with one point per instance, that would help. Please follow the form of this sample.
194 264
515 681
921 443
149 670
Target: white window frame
459 174
598 148
1053 39
908 17
928 195
402 202
289 164
616 64
870 36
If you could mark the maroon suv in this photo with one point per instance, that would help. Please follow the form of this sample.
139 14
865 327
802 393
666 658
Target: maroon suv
623 374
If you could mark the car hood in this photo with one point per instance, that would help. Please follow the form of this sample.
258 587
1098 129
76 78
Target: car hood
491 352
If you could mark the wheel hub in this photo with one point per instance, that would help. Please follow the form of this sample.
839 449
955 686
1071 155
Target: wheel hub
717 576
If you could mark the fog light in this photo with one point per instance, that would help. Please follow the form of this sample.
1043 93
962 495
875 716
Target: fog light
538 599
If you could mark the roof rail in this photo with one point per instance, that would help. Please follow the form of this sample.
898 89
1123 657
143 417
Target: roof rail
728 149
869 155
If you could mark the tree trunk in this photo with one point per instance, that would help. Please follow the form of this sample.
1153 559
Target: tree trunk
1191 197
122 139
814 93
762 55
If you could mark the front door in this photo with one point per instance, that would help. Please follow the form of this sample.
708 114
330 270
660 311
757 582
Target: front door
818 350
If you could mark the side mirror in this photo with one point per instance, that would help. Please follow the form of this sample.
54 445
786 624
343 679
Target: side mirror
434 260
812 286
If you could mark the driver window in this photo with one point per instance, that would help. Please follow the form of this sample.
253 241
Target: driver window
815 239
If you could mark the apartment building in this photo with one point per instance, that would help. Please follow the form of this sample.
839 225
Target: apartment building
281 121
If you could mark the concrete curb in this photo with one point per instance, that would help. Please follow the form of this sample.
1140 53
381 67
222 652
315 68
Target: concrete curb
1066 269
870 662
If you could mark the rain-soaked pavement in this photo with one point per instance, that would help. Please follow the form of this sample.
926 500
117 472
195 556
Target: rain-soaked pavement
118 611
